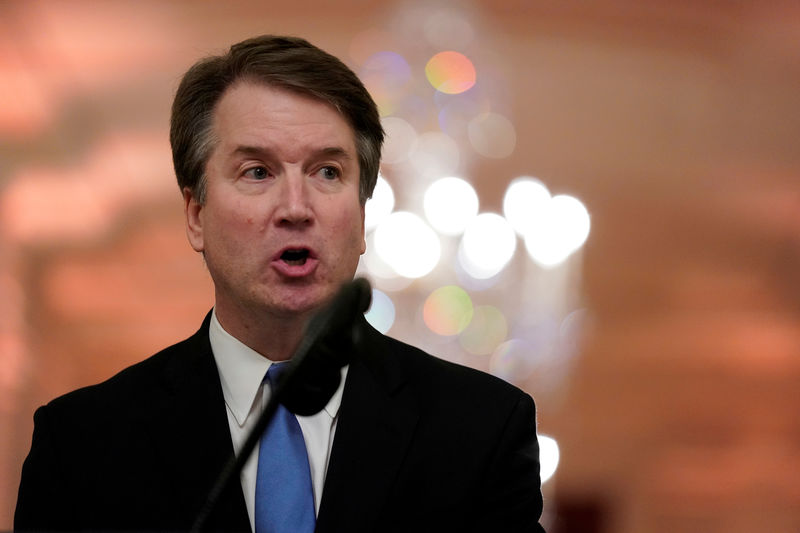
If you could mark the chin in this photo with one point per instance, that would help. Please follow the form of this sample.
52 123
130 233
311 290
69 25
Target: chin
301 302
299 297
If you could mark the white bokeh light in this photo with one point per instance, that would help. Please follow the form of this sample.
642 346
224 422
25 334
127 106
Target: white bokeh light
381 312
562 229
450 203
381 274
407 244
448 29
435 154
374 263
400 139
572 219
548 457
487 246
525 203
492 135
380 205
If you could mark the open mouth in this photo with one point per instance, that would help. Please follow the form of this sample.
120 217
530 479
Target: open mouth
295 257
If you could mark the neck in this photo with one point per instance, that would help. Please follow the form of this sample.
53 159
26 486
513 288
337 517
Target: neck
274 337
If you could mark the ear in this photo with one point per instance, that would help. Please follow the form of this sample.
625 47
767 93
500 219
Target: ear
194 221
363 232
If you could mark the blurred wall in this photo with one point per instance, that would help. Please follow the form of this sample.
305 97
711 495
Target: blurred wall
663 355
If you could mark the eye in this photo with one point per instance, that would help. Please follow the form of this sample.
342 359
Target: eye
329 172
257 173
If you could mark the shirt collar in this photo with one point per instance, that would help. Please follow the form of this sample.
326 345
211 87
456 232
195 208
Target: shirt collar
242 369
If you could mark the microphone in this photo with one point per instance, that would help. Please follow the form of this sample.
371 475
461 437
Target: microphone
331 338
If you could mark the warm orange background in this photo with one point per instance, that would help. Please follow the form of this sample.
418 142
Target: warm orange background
676 123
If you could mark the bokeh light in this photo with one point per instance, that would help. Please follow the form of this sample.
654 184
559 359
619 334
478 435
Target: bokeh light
435 154
456 112
450 72
487 329
448 28
572 329
407 244
415 109
562 229
400 139
380 205
381 312
492 135
385 75
573 219
383 276
448 310
512 360
374 263
549 456
450 203
525 203
472 284
487 245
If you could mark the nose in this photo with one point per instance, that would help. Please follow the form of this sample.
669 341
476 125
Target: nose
294 205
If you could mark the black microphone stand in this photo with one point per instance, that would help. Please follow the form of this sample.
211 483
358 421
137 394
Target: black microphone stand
310 380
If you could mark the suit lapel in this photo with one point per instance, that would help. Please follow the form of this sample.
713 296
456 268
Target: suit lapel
194 437
373 432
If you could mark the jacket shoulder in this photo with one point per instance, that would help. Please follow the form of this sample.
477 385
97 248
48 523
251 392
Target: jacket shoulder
434 377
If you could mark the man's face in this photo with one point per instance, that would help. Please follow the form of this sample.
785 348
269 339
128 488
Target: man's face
282 227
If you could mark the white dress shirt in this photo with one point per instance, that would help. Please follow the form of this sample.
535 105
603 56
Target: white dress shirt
241 372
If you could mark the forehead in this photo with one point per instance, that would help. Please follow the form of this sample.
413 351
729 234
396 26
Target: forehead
250 111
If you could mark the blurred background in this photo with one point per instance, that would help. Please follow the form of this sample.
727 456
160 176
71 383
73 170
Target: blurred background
597 201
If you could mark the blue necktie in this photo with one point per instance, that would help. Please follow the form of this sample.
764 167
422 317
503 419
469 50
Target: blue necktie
284 497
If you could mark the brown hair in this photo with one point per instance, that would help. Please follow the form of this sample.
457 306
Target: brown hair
286 62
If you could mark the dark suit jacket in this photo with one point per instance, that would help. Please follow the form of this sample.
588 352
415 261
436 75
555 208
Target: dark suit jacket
421 445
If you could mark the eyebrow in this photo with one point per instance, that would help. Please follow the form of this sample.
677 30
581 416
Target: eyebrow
328 151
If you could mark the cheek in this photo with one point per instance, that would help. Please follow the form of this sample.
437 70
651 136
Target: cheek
347 230
233 225
353 223
239 214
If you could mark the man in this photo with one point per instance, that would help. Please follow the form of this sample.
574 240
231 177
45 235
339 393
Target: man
276 147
